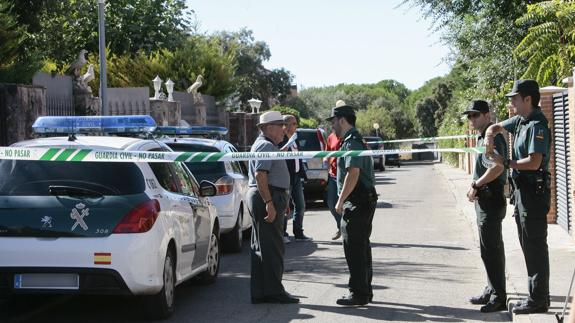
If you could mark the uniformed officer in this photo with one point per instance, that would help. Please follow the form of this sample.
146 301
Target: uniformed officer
357 202
267 199
530 179
487 192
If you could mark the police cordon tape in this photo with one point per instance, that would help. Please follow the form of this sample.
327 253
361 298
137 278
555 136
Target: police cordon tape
425 139
97 155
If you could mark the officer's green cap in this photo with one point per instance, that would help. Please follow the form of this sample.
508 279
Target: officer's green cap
524 87
341 109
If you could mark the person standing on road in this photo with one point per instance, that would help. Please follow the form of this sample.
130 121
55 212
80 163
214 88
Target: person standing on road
297 176
333 144
531 182
356 203
267 199
487 192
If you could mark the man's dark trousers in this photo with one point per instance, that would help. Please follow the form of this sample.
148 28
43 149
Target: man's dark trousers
267 247
491 245
356 226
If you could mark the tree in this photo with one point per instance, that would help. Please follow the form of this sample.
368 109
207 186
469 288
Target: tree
197 55
303 122
549 46
16 64
374 114
11 35
426 110
253 79
59 29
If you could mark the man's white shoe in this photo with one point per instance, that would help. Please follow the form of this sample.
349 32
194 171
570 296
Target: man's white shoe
286 239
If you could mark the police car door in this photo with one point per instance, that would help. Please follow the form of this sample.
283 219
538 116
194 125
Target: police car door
202 220
181 222
240 183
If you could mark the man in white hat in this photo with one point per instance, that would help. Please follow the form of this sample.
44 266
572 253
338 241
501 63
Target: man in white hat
267 199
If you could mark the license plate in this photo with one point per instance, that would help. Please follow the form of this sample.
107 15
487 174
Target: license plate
313 174
46 281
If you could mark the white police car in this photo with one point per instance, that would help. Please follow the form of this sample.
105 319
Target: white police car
230 177
129 228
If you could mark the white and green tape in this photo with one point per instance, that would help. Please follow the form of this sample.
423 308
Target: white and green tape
97 155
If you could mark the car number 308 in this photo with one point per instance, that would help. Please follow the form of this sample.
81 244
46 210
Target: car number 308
102 231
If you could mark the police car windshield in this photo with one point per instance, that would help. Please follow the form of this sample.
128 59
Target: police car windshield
34 178
308 141
202 171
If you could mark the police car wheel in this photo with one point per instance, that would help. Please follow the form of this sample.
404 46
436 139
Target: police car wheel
161 305
209 276
233 240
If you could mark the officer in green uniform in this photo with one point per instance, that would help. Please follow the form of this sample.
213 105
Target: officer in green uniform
357 202
530 179
487 192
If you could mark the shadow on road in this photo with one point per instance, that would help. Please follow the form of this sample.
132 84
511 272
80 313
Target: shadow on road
410 312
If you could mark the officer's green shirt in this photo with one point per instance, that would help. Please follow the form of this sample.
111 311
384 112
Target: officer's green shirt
531 135
501 148
353 141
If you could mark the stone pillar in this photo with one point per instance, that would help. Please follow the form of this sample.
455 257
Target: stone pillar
237 130
546 104
86 105
20 106
252 132
165 113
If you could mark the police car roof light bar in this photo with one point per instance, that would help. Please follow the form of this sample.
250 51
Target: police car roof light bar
193 130
136 124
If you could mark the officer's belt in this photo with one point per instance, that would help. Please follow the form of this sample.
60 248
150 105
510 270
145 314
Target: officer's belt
278 189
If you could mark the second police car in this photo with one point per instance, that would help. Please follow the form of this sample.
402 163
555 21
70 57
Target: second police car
130 228
230 177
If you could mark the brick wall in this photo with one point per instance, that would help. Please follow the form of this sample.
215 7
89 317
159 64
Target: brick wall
546 104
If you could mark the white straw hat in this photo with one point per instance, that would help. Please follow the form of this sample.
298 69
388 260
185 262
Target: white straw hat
271 117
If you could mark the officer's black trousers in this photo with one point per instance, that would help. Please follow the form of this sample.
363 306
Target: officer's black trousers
492 248
531 219
355 230
532 232
267 247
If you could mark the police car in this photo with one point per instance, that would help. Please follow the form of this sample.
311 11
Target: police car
129 228
230 177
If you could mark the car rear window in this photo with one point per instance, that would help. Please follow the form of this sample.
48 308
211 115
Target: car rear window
33 178
308 141
202 171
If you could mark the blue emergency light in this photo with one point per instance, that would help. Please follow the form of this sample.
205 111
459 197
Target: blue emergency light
192 131
94 124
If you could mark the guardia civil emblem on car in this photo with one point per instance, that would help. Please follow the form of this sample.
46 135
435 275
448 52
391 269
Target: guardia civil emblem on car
46 221
78 214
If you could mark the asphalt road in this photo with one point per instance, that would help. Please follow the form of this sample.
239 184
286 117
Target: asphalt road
426 266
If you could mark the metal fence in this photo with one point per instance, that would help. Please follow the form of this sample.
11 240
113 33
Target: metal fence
57 105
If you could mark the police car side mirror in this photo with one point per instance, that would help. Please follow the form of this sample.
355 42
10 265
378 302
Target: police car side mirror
207 188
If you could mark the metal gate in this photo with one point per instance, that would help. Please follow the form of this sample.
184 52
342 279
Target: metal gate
562 158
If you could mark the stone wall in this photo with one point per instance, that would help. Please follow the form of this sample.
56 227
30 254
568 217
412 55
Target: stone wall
20 105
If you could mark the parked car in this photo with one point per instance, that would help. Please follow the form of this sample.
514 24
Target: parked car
393 159
374 144
128 228
231 180
316 171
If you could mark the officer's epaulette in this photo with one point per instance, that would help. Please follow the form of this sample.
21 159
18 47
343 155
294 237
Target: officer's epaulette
350 136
